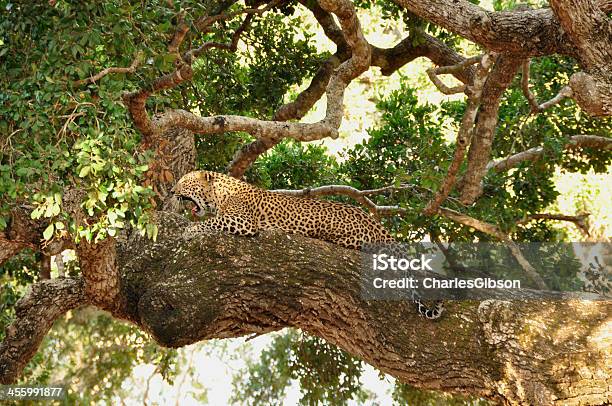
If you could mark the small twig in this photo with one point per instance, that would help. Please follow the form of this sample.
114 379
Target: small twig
71 117
231 46
563 93
92 79
204 22
525 86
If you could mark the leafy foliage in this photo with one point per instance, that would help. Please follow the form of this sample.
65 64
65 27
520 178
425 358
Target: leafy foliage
326 375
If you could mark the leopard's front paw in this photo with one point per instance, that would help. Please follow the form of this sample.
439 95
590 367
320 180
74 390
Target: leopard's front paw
195 230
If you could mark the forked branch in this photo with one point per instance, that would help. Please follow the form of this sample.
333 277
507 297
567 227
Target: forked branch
456 70
565 92
464 135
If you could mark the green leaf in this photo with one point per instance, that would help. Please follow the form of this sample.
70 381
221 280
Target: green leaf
48 233
155 230
84 171
36 213
55 209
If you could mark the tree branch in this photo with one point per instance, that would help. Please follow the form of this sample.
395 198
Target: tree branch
522 33
464 136
231 46
580 220
391 59
100 274
533 154
239 286
566 91
136 101
525 87
491 348
388 59
330 190
590 30
452 69
203 23
499 79
35 313
22 232
131 69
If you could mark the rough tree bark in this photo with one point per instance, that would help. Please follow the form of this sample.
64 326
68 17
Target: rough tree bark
518 352
227 286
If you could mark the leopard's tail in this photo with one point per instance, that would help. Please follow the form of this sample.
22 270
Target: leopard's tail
432 312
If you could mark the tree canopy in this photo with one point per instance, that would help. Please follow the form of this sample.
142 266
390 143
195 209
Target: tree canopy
105 105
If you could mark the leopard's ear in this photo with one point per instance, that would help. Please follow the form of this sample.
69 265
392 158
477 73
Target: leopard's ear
206 176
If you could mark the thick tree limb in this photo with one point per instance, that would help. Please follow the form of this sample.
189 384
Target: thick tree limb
533 154
35 313
22 232
100 274
358 63
523 33
185 292
272 130
590 30
11 247
497 82
581 30
227 286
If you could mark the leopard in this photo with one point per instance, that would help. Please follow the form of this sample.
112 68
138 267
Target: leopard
243 209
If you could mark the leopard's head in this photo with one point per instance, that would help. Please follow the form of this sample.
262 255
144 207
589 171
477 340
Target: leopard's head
198 188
